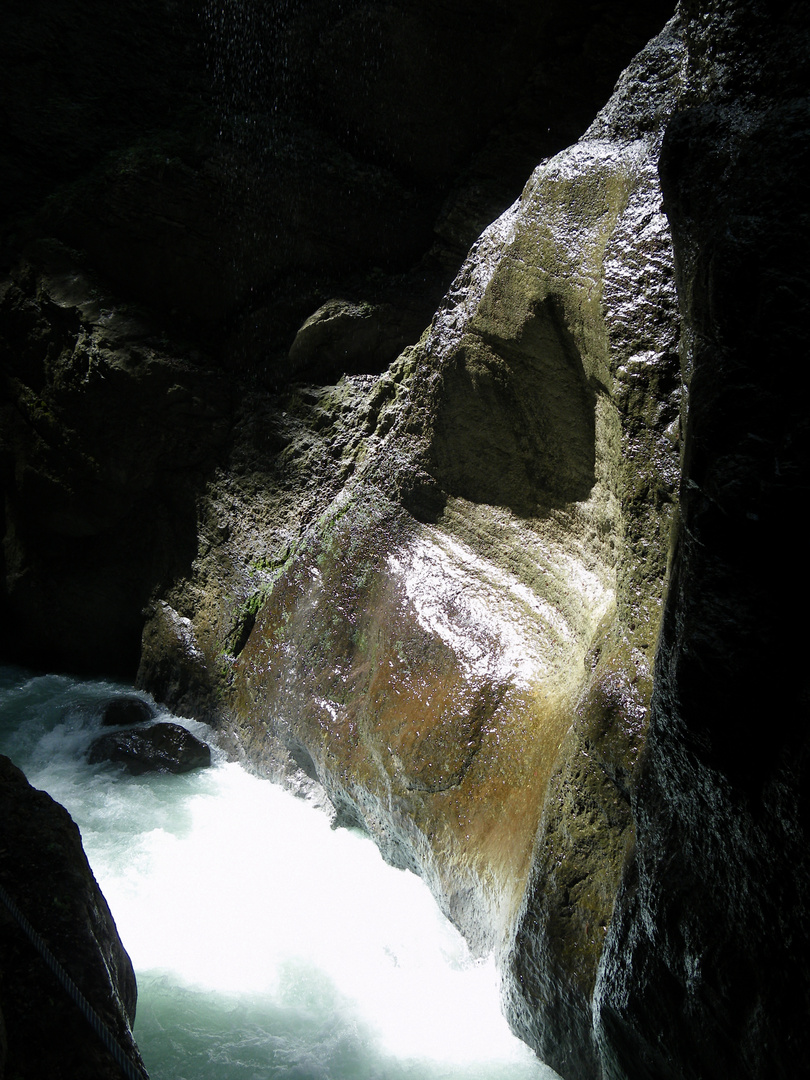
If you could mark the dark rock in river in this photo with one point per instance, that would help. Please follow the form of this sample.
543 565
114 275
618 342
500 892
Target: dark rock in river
44 870
160 748
126 710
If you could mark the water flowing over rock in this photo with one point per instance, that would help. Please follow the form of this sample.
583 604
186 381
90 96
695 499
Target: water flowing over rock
518 604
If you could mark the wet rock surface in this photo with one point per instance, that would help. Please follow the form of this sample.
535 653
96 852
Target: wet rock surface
161 747
44 870
705 967
437 592
122 711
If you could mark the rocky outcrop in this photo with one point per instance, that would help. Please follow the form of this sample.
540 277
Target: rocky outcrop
344 338
460 650
162 747
458 644
460 647
235 212
705 967
44 871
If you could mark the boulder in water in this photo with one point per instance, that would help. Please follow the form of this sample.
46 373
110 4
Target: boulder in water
159 748
126 711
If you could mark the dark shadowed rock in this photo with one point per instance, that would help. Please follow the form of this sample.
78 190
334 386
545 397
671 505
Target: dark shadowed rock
161 748
98 505
705 971
343 337
123 711
44 870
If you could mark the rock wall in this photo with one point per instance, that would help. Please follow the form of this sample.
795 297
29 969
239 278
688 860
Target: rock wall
44 871
517 606
230 178
457 644
107 431
705 967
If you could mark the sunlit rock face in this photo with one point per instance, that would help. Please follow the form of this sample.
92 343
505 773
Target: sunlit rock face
427 687
459 649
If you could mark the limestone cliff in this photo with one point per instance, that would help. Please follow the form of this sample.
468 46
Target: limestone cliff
510 602
460 647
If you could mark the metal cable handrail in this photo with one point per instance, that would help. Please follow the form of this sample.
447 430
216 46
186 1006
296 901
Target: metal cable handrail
94 1020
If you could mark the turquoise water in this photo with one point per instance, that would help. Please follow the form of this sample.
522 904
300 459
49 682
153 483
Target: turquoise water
266 944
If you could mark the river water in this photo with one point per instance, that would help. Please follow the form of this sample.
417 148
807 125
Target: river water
266 944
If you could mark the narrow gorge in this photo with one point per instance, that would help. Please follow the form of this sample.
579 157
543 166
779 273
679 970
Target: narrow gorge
416 394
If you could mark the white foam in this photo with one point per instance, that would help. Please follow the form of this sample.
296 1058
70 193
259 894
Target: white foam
262 937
